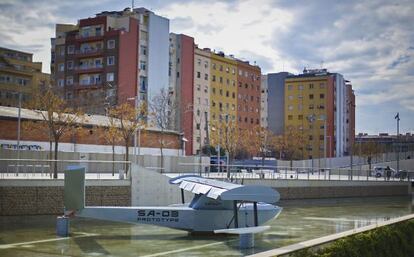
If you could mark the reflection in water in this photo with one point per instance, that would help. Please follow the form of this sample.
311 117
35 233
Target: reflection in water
299 221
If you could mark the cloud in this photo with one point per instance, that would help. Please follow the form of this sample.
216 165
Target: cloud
370 42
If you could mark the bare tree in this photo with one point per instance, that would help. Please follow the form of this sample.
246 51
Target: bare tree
128 122
258 141
112 136
161 115
288 144
57 119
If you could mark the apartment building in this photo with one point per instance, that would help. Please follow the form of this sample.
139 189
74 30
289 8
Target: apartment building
202 88
111 58
181 86
273 89
320 106
223 89
248 95
19 75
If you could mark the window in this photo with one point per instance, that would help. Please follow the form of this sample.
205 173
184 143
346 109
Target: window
110 76
61 67
199 62
213 90
143 50
143 83
111 60
311 106
214 66
71 49
290 107
198 74
205 76
221 67
227 81
206 64
300 117
198 87
110 44
205 89
69 80
290 97
310 86
311 96
322 85
290 117
61 82
233 95
310 137
300 87
213 78
198 126
322 96
142 65
321 137
290 87
221 79
227 94
70 65
227 69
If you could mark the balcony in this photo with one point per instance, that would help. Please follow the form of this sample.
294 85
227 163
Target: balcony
90 52
89 38
89 68
83 86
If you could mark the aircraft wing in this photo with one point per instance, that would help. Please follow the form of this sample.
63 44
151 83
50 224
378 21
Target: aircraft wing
226 191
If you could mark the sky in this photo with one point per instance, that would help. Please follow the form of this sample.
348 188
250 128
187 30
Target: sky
370 42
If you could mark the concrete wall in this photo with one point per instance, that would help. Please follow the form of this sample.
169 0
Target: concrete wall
313 189
29 197
151 188
178 164
344 162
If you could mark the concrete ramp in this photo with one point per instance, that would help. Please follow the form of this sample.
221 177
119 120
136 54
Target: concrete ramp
150 188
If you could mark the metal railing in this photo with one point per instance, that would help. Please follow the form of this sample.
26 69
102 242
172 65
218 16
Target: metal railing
44 168
236 172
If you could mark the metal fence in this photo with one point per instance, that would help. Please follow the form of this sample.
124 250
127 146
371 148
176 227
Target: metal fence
236 172
45 168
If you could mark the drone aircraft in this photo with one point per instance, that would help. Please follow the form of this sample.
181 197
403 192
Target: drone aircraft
217 206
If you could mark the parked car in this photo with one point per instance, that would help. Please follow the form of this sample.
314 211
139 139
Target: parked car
380 171
402 174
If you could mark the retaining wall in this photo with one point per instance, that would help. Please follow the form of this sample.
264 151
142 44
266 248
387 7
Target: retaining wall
28 197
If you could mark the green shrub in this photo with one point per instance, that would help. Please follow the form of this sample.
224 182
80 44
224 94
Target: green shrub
391 241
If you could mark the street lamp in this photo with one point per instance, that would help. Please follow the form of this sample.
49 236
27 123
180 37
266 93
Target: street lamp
218 146
397 117
138 128
311 118
18 129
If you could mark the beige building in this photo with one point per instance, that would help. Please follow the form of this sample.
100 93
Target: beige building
201 97
19 74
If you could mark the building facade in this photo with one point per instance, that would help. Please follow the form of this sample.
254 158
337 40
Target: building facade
274 84
111 58
223 89
212 89
248 95
320 106
19 75
264 102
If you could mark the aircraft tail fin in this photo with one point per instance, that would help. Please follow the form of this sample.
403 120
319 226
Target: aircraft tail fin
74 189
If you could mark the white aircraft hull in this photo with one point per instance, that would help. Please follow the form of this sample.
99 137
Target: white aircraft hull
183 217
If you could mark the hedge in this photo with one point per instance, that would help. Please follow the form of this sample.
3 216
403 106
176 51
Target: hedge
395 240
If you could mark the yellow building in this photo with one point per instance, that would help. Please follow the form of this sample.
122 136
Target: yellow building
223 89
308 107
19 74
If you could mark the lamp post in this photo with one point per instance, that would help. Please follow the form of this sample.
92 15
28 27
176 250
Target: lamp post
138 129
311 118
218 147
397 117
18 130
